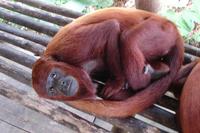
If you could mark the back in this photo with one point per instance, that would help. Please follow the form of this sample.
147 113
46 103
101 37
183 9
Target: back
190 103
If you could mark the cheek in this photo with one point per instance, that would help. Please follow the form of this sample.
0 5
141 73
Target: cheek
68 86
49 83
74 87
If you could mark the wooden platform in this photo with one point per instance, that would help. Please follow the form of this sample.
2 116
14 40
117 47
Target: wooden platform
23 111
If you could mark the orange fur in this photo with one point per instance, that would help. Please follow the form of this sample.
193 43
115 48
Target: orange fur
121 41
190 103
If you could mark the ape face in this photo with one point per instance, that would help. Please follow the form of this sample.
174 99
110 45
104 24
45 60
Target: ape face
59 83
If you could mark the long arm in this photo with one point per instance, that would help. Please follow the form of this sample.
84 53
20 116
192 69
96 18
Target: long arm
142 44
142 99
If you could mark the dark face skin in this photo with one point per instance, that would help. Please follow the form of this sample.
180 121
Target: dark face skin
59 83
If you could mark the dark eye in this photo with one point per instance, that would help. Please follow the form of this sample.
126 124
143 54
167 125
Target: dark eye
51 89
63 82
53 75
145 69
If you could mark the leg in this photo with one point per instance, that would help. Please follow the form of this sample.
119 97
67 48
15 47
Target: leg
181 77
103 42
112 56
142 44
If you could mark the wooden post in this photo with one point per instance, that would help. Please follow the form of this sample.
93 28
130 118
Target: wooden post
148 5
119 3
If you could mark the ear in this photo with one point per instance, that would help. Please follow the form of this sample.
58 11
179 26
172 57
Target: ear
40 71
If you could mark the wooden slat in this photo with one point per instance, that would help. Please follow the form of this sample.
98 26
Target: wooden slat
189 58
29 22
32 36
103 124
51 110
19 116
155 124
15 70
51 8
18 85
22 43
160 116
133 125
34 12
192 50
11 53
168 103
8 128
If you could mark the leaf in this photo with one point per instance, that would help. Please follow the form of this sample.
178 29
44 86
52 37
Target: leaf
186 15
193 14
196 36
183 31
170 14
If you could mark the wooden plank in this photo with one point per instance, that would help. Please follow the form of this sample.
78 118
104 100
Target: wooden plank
189 58
28 89
34 12
18 115
160 116
22 43
51 110
133 125
7 128
103 124
155 124
18 85
15 70
192 50
29 35
8 51
90 118
168 103
81 114
52 8
42 27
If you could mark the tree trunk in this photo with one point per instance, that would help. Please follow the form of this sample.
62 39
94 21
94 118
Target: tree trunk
119 3
148 5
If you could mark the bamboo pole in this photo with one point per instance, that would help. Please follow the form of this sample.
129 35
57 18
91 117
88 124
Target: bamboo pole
34 12
6 50
52 8
26 21
32 36
192 50
37 49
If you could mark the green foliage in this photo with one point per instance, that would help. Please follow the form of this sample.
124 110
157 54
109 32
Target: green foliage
84 6
196 36
98 3
57 2
187 20
95 4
